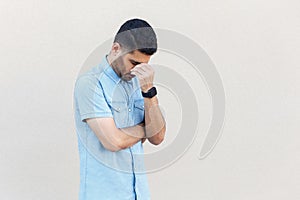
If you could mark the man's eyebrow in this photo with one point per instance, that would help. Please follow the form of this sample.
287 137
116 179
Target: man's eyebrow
134 62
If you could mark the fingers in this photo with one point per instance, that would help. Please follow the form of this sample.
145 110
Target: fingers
142 70
141 67
145 75
137 73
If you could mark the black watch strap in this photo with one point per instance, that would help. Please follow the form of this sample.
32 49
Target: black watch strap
150 93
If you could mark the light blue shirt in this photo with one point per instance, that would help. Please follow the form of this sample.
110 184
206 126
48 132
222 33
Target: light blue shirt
107 175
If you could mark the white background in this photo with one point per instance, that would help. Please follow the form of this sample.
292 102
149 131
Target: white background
254 45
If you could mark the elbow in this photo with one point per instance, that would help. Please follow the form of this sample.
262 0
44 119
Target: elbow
157 141
158 138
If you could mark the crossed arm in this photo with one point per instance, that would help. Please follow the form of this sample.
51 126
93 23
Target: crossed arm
115 139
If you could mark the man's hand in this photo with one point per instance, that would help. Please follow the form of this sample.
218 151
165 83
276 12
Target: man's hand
145 75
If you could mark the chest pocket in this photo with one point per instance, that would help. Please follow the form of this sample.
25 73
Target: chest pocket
120 113
138 109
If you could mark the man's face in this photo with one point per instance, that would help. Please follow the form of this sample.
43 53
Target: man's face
128 61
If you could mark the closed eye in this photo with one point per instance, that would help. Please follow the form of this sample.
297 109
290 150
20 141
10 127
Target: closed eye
134 62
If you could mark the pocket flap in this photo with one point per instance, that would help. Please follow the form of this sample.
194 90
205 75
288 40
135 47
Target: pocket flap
139 104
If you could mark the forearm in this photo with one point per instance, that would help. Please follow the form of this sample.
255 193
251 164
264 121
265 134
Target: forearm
130 135
154 122
155 126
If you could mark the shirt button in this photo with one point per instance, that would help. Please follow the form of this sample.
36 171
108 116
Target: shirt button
129 110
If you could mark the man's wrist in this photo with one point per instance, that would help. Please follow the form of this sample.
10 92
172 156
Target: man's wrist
147 88
150 93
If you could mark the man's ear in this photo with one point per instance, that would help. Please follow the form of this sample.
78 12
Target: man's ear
116 49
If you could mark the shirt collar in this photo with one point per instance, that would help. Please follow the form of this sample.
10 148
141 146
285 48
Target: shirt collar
109 70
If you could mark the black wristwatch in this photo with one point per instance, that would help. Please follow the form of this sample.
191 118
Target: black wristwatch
150 93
